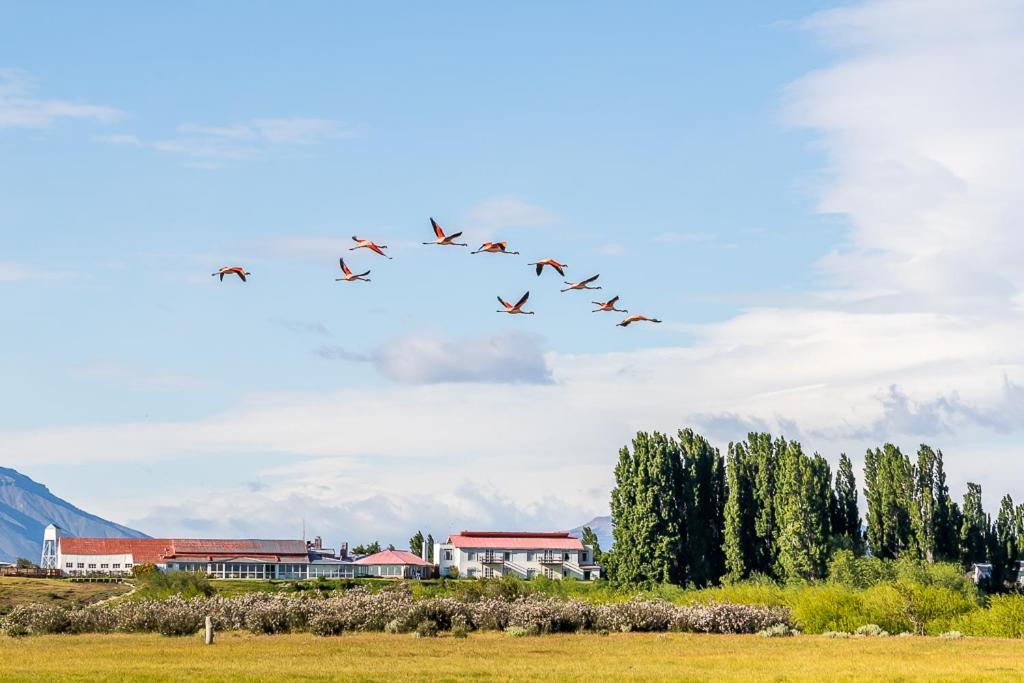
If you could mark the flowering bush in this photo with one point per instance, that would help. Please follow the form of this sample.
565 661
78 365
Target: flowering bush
393 610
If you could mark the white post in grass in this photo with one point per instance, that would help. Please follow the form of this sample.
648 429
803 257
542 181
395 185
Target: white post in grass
209 630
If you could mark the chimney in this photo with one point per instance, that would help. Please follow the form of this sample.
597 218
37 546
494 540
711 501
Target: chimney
343 551
423 551
318 542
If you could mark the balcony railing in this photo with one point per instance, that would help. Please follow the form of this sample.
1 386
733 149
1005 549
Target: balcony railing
549 558
492 558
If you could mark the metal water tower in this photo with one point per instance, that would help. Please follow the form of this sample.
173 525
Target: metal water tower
49 557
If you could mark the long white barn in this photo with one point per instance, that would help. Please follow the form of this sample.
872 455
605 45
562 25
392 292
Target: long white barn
218 558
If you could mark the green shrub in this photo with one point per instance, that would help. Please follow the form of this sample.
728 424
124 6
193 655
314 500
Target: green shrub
426 629
778 631
871 631
836 634
155 585
522 631
829 607
1004 618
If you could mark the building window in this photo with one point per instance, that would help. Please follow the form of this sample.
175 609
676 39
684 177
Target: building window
81 565
508 557
530 556
448 554
117 566
469 556
565 556
92 565
104 566
548 573
69 565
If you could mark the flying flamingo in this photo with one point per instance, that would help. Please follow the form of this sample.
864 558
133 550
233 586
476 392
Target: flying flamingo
518 308
445 240
549 262
637 318
231 270
494 248
608 306
348 276
368 244
582 284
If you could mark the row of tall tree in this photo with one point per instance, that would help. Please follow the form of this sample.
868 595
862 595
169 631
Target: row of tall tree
684 514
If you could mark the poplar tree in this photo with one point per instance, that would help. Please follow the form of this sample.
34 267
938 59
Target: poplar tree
924 503
646 506
947 522
703 498
802 514
846 518
888 479
416 543
765 456
973 527
740 534
1003 548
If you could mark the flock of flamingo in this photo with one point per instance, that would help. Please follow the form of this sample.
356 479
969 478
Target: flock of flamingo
443 240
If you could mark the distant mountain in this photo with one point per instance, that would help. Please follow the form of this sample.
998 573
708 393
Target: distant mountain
602 526
26 507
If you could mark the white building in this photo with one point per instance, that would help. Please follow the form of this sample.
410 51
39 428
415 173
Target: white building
218 558
394 564
487 554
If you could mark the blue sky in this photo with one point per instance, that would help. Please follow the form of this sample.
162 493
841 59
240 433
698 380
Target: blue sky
747 172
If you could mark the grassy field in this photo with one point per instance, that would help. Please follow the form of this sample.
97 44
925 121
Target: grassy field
19 591
495 656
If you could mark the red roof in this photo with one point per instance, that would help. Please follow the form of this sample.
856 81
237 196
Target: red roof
159 550
394 557
516 540
142 550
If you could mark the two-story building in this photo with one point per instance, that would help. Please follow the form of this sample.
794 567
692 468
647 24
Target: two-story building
486 554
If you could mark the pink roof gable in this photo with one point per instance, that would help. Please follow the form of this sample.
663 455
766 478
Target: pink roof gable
394 557
516 540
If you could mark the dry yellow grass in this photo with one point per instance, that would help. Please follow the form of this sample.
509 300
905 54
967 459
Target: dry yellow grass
494 656
19 591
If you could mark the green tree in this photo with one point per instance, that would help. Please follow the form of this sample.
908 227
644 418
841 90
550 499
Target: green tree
703 499
888 480
740 532
973 527
646 507
430 547
22 563
590 538
368 549
416 543
846 517
924 503
1004 550
802 514
947 513
765 453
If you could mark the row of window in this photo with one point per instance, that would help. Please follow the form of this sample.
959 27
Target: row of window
531 556
490 573
81 565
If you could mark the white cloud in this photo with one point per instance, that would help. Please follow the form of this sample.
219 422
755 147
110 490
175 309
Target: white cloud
239 142
923 124
494 215
120 374
20 109
15 272
430 357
